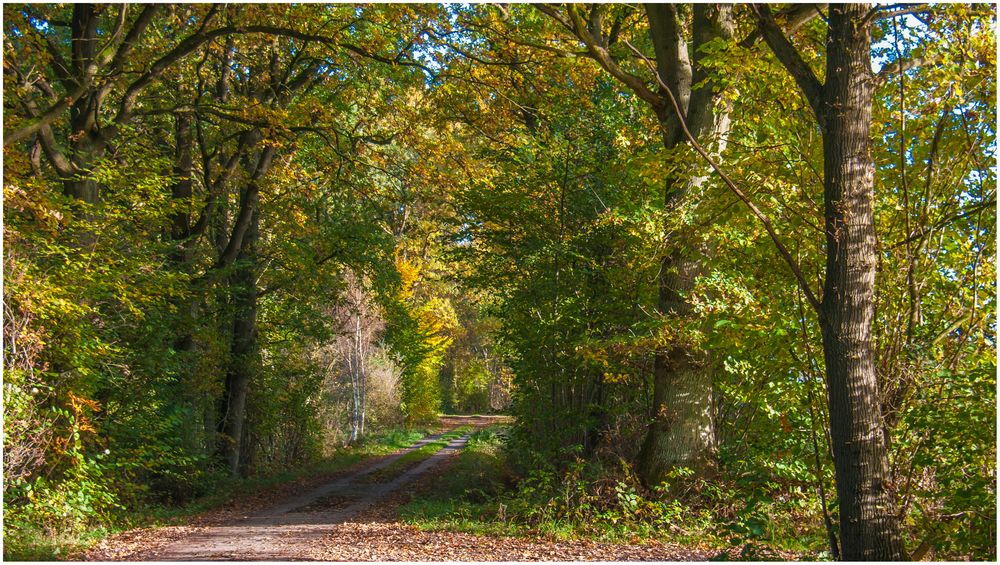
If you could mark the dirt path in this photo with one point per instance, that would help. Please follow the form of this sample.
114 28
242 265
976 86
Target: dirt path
353 518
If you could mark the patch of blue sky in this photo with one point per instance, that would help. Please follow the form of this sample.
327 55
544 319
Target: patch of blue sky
38 23
911 31
434 54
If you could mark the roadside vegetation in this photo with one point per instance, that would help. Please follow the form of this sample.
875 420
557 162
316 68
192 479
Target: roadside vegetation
483 492
32 541
730 269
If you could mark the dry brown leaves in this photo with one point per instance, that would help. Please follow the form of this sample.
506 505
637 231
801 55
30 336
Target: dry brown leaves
374 535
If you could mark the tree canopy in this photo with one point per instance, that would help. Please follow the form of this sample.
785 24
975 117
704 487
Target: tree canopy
735 251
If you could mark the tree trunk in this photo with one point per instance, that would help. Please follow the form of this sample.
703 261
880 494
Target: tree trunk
84 190
243 350
182 191
868 523
86 140
354 368
682 432
362 379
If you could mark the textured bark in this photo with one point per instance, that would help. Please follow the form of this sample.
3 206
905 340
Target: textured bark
672 65
87 142
868 523
682 432
243 351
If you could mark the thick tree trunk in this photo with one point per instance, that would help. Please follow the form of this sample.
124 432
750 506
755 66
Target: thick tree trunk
682 432
85 191
868 523
86 143
243 351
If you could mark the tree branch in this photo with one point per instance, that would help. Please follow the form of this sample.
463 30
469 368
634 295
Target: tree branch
578 27
138 27
896 67
892 10
959 215
790 19
247 140
248 203
757 212
115 34
46 118
790 58
47 140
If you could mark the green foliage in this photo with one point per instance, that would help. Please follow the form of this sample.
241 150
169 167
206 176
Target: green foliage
471 388
509 220
481 494
557 238
120 313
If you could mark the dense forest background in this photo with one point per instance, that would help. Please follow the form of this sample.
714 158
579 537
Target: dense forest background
701 253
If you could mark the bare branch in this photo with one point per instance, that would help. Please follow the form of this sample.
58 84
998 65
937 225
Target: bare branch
892 10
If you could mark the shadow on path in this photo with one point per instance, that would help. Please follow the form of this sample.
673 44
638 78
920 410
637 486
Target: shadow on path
282 531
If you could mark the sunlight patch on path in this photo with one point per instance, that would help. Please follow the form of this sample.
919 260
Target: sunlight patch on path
287 530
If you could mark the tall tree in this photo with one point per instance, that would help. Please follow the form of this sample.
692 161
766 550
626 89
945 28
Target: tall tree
683 92
682 430
842 105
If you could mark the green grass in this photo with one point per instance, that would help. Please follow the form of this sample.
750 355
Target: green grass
413 458
462 499
33 543
480 495
399 438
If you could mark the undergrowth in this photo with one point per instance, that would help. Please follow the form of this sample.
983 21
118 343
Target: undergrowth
482 494
62 520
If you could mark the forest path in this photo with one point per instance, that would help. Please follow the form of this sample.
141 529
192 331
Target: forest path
352 517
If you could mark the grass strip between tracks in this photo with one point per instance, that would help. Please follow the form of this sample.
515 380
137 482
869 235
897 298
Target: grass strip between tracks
413 458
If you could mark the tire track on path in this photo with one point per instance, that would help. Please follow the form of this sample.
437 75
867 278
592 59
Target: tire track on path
283 531
348 518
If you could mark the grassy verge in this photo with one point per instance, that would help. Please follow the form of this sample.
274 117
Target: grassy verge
464 498
480 495
29 543
413 458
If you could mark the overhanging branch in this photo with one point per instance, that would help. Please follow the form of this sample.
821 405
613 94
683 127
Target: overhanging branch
757 212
